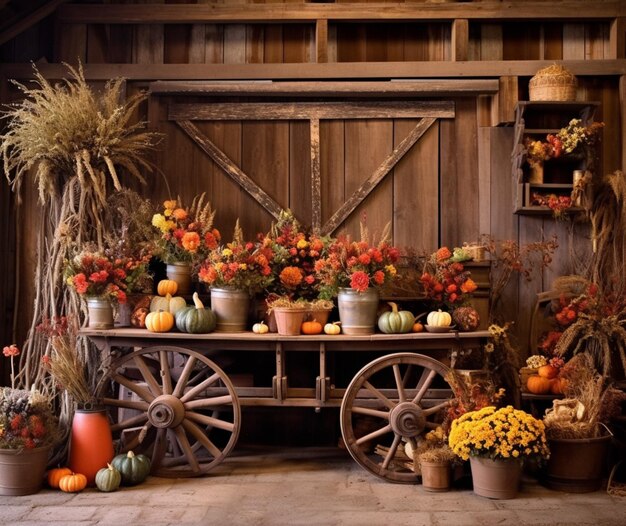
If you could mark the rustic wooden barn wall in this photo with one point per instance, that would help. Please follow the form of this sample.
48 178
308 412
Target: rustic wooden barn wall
449 188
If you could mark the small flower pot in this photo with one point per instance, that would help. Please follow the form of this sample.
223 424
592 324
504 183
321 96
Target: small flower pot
289 321
436 476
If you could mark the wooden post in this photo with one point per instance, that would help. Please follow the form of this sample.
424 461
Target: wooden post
460 39
321 40
316 185
622 111
617 38
507 99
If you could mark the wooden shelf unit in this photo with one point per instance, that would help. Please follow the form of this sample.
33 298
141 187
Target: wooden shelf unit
537 119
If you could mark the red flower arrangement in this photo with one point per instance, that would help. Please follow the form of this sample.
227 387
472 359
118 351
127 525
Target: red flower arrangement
445 280
93 274
356 264
239 265
559 204
186 235
295 253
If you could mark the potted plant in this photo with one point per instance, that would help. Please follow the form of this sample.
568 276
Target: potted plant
496 441
100 280
28 430
354 271
235 272
576 427
289 314
433 459
186 236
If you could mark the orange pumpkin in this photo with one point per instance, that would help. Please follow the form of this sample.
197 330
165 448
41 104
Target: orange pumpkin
538 384
167 286
161 321
548 371
73 483
55 475
312 327
557 385
418 327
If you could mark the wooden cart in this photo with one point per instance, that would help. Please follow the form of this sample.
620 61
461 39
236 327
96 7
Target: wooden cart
170 397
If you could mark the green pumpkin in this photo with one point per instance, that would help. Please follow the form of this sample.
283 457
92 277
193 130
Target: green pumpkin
196 319
395 322
134 469
108 479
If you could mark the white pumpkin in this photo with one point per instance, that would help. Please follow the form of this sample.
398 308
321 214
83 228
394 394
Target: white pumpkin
260 328
168 303
439 318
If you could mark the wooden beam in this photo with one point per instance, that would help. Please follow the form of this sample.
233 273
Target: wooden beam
316 183
460 39
321 40
316 110
622 120
230 168
409 88
362 12
18 26
507 99
617 38
354 70
379 174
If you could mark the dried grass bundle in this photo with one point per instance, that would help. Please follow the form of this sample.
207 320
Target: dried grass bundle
66 130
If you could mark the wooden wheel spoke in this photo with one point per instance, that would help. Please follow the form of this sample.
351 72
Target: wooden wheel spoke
186 447
424 383
192 393
130 422
434 409
210 421
378 394
154 386
142 392
138 438
392 451
371 412
399 382
374 434
431 425
184 376
159 449
199 435
407 374
165 373
209 402
126 404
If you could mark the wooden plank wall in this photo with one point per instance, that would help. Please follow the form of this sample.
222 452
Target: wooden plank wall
445 191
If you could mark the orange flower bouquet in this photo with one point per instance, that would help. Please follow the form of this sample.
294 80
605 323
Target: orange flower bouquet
186 234
92 274
445 280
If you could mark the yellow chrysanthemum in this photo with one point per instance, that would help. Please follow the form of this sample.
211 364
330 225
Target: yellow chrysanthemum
302 243
227 252
391 270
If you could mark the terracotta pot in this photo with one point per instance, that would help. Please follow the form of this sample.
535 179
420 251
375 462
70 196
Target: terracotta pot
100 313
358 310
22 470
436 476
289 321
320 315
181 274
231 309
496 479
91 444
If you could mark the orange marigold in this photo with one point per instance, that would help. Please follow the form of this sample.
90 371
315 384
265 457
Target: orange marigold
191 241
291 276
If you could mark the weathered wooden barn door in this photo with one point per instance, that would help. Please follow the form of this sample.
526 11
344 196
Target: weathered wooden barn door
329 162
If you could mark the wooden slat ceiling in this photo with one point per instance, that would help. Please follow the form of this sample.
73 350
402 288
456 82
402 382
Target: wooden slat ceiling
18 15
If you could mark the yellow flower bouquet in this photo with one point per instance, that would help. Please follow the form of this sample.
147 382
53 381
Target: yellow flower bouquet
498 434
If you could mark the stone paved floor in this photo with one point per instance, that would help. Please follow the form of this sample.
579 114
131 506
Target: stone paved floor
320 486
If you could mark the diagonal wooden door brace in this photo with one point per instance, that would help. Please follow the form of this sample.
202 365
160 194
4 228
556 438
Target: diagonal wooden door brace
230 168
379 174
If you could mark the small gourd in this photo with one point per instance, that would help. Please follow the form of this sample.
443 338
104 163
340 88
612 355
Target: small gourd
167 286
197 319
466 318
134 469
396 322
439 318
161 321
548 371
55 475
538 384
418 327
557 385
260 328
108 479
168 303
138 317
311 327
73 483
332 328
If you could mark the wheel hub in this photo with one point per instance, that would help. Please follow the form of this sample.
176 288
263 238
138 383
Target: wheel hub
166 411
407 419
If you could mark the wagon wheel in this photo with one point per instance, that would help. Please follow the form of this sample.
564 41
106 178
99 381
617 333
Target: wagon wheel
183 411
393 399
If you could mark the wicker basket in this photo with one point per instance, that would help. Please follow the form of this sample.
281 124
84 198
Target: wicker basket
553 83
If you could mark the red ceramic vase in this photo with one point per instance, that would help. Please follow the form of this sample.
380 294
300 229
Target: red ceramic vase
91 445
